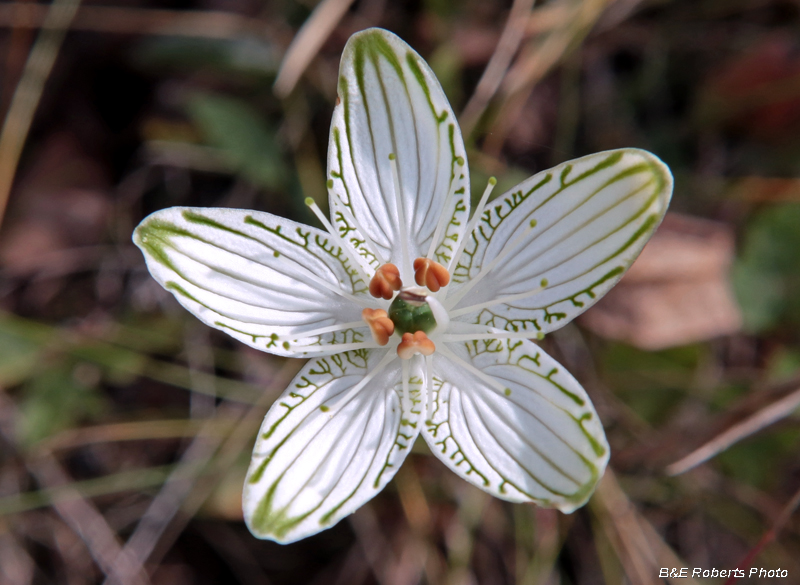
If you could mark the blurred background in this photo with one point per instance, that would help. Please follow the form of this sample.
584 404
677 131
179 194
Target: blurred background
126 425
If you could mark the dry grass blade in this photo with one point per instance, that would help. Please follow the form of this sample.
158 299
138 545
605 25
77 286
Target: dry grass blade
179 492
498 65
541 54
761 419
16 565
639 547
29 91
125 431
420 554
79 514
307 42
212 24
541 57
376 549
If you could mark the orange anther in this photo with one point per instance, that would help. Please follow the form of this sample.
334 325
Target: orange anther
379 323
414 343
385 282
431 274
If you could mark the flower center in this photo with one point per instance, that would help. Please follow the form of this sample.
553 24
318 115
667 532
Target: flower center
410 312
413 312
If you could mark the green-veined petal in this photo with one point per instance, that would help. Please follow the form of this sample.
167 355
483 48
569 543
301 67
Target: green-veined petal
327 446
266 281
391 102
509 419
591 218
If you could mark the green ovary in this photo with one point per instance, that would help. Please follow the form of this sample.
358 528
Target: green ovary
410 317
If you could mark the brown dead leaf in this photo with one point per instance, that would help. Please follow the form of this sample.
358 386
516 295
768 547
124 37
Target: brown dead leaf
677 291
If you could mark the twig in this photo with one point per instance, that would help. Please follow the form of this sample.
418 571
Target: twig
763 418
29 91
498 64
311 36
768 536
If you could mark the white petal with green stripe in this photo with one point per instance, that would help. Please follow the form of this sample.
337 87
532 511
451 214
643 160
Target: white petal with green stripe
509 419
330 443
575 228
274 284
390 102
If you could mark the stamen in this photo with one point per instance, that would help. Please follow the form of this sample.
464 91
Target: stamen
385 282
500 301
337 347
333 288
428 388
439 313
344 401
406 397
489 380
322 330
471 225
492 333
401 216
443 219
380 325
352 219
460 331
414 343
431 274
488 268
356 259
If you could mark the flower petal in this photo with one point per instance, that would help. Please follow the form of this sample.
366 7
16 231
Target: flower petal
592 217
391 102
509 419
262 279
327 446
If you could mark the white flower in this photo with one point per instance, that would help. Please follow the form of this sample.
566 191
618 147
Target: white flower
489 402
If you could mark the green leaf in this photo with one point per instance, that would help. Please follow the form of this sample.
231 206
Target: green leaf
245 56
766 276
246 140
56 399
